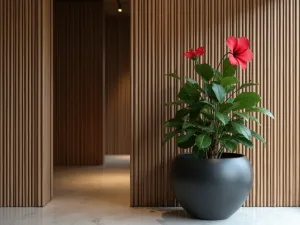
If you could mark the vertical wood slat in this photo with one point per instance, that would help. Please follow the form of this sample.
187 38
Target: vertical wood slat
25 102
117 85
78 82
160 32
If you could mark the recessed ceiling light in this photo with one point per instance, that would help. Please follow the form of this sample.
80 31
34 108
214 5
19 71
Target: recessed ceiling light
120 10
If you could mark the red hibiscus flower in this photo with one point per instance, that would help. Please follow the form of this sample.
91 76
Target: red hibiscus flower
192 54
240 53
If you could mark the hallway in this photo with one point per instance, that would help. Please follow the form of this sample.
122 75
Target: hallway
101 196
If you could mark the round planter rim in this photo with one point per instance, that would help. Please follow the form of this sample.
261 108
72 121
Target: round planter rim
235 156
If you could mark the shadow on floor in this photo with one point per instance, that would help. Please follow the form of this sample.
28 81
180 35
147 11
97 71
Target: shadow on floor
172 215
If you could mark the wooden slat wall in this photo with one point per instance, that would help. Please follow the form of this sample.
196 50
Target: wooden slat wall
161 32
117 67
78 91
25 102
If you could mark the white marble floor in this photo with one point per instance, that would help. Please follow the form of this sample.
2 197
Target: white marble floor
100 196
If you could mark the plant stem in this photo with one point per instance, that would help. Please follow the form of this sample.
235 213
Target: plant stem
221 152
231 95
224 56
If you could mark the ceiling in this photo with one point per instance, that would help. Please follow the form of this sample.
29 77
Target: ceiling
111 7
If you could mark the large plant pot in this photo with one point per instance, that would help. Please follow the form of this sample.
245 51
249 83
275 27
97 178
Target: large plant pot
211 189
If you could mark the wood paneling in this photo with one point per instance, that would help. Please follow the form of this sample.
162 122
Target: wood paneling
78 91
25 102
161 32
117 67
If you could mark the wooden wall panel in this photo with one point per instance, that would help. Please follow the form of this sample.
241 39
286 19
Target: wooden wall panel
117 67
25 102
78 91
161 32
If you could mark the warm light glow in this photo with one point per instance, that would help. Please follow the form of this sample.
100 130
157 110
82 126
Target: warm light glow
120 10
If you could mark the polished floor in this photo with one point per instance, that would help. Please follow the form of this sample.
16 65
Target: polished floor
100 196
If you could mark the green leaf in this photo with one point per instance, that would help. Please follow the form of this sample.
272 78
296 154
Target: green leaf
219 92
257 136
245 116
209 91
194 115
225 138
174 75
175 122
230 129
230 100
246 100
196 106
225 108
228 69
241 129
208 103
217 74
229 88
201 153
192 81
189 92
246 85
230 146
261 110
187 136
228 143
207 115
244 141
205 71
203 141
254 119
192 91
182 113
187 144
170 135
223 118
176 103
187 125
228 81
183 95
206 129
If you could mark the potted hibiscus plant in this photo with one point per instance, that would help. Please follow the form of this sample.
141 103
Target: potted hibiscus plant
212 182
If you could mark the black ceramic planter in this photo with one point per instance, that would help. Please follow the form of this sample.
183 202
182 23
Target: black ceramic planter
211 189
